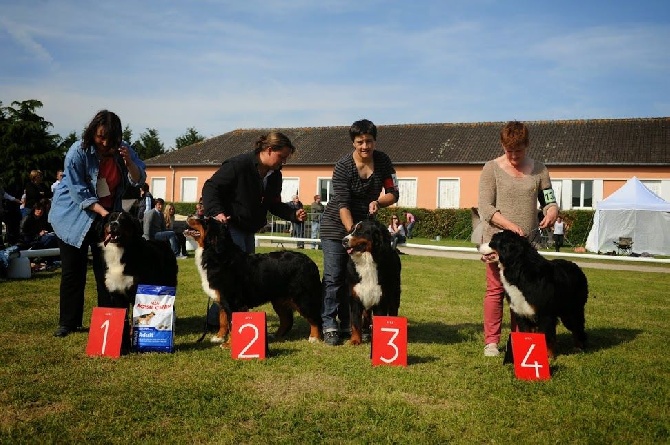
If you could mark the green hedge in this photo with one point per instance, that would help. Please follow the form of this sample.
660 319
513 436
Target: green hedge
451 223
457 223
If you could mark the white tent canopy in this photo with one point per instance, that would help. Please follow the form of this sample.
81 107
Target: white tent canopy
635 212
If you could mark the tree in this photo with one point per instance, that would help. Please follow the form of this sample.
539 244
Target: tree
127 134
189 138
26 144
149 144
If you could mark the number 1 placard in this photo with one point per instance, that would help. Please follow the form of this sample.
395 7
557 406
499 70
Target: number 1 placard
106 332
248 336
389 341
530 356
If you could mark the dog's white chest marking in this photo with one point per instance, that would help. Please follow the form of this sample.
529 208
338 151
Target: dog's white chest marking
203 275
517 302
368 289
115 280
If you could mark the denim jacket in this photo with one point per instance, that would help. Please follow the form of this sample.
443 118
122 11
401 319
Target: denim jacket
69 214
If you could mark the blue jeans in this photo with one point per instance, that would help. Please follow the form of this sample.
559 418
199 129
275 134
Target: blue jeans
335 293
409 228
315 232
169 236
244 240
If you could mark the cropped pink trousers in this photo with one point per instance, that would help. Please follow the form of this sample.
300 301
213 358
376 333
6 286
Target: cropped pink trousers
493 305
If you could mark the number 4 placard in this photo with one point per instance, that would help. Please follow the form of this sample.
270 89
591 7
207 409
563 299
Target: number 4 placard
389 341
248 335
106 332
530 356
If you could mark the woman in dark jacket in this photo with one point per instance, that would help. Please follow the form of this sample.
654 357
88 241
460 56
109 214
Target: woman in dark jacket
247 186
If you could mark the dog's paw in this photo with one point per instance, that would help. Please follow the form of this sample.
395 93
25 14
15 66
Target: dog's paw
216 339
313 339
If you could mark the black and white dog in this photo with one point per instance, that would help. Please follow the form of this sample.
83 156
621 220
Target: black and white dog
239 281
131 260
540 291
373 275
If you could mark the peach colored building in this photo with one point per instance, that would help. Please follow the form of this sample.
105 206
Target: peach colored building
438 165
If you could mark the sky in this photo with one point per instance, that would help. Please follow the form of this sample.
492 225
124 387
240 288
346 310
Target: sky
221 65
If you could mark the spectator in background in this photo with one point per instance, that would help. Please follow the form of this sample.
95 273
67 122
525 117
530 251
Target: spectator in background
559 233
36 190
146 202
410 220
168 214
509 187
316 209
154 227
247 186
359 178
97 171
298 227
36 231
59 176
22 208
200 209
5 215
397 231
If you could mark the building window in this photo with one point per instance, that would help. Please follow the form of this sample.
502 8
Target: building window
325 189
189 189
448 194
289 188
654 186
582 194
158 188
407 189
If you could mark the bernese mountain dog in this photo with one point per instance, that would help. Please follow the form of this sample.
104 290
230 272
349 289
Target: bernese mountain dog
373 275
131 260
239 281
539 291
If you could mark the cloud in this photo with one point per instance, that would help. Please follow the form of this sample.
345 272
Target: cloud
23 36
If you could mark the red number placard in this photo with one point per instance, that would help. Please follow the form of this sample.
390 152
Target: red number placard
530 356
389 341
106 332
248 337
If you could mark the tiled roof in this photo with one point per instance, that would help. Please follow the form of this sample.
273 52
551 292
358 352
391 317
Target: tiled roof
643 141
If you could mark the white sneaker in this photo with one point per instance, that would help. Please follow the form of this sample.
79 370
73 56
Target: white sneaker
491 350
181 257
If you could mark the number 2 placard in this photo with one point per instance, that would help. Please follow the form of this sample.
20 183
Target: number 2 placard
106 332
389 341
530 356
248 336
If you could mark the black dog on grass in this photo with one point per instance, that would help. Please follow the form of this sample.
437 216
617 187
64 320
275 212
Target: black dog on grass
540 291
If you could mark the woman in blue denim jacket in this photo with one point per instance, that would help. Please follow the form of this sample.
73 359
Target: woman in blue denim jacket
97 171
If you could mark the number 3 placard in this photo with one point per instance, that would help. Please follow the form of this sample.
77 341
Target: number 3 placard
248 335
530 356
106 332
389 341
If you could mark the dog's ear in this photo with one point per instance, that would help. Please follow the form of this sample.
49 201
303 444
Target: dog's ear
137 225
99 224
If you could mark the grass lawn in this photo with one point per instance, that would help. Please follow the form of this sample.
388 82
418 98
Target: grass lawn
616 392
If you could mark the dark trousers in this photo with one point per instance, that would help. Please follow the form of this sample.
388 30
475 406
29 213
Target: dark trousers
558 242
74 267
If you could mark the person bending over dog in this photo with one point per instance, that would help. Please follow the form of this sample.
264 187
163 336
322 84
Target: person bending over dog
248 186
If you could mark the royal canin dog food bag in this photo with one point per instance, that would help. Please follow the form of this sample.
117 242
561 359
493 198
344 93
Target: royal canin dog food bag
154 318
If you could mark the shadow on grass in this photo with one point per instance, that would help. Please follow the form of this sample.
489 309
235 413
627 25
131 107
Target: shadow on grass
442 333
598 339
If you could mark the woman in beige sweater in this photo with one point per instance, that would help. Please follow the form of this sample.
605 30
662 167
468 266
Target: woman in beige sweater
509 188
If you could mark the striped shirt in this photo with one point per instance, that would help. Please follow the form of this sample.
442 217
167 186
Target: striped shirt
354 193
